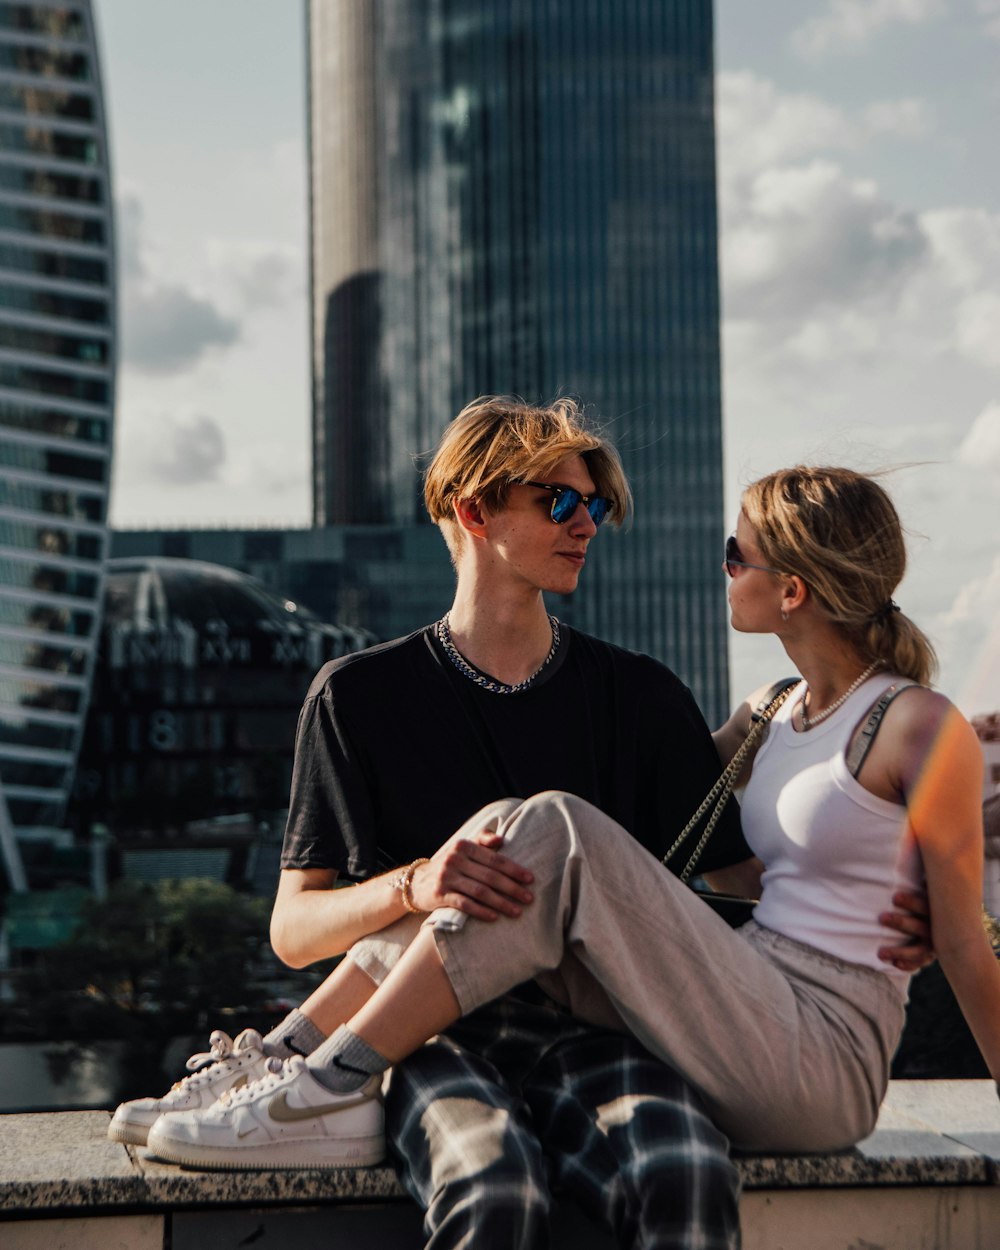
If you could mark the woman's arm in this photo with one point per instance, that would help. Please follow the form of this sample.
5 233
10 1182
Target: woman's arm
940 774
728 738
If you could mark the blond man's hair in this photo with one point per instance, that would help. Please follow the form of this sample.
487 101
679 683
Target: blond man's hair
497 441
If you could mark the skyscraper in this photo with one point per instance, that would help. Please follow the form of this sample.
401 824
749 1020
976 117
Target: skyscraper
57 358
519 196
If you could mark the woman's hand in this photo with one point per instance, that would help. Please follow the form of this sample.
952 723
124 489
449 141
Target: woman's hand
473 876
913 921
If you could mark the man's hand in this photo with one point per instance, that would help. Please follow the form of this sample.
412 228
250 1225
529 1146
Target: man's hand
474 877
913 921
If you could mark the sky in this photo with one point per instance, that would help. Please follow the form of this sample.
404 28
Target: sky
859 192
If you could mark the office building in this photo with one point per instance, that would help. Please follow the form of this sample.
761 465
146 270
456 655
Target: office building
387 580
510 196
57 362
187 758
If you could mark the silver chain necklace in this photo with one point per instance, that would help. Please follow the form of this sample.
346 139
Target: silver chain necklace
811 722
443 632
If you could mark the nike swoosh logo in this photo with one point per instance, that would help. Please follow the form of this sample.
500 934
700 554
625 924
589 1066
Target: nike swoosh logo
238 1083
279 1110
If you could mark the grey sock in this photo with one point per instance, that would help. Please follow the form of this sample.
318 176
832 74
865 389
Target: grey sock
344 1062
295 1035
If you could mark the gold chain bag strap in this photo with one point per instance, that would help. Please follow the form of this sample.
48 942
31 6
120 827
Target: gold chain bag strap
718 796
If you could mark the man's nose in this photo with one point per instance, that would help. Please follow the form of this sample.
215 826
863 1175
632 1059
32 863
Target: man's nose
581 522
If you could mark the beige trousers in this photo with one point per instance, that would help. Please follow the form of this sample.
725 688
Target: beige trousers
790 1048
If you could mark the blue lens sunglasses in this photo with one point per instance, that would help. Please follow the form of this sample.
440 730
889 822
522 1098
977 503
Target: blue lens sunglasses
566 500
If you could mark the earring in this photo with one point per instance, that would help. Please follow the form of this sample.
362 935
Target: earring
784 616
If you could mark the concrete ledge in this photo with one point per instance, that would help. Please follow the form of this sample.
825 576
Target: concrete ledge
928 1133
59 1171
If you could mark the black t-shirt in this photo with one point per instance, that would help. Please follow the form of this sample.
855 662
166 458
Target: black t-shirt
396 749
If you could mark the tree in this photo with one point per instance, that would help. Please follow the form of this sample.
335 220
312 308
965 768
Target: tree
151 963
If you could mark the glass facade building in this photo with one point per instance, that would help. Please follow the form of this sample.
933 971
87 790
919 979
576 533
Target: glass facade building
57 361
387 580
187 758
519 196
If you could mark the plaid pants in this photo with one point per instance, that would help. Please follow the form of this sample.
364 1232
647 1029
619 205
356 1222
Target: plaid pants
519 1101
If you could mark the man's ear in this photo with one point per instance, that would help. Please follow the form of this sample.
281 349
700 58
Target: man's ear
469 516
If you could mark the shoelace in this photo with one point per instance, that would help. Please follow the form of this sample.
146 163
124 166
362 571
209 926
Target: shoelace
278 1071
221 1049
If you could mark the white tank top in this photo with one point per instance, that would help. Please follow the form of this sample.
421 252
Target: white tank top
834 853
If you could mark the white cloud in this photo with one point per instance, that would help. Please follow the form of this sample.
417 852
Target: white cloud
990 11
129 222
850 24
980 449
968 639
966 244
857 331
977 330
905 119
800 236
165 327
195 451
760 126
165 450
257 274
828 261
846 334
809 237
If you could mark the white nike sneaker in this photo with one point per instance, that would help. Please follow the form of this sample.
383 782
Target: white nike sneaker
284 1120
226 1065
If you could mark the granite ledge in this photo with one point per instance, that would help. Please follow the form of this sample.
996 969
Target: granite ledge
929 1133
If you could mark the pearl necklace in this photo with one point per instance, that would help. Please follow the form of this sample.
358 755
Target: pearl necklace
810 723
443 632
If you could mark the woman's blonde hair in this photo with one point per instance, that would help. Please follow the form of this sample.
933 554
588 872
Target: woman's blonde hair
497 441
840 532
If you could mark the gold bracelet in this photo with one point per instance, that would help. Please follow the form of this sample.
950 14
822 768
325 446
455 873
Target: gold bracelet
404 884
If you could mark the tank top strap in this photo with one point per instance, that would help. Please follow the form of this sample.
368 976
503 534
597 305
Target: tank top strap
862 743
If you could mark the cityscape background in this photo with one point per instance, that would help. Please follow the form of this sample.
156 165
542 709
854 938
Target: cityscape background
499 192
502 198
860 252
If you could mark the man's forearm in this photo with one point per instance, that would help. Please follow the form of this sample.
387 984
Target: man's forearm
314 923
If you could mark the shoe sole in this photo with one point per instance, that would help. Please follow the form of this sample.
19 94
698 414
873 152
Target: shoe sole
128 1134
351 1152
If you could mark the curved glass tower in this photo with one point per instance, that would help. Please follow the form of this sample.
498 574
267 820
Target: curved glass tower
519 196
57 361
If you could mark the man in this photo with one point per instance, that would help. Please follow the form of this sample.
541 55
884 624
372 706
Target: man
397 746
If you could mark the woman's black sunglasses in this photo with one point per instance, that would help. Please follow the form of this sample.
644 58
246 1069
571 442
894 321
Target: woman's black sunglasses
734 559
566 500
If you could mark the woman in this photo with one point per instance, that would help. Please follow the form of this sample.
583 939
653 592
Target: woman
787 1026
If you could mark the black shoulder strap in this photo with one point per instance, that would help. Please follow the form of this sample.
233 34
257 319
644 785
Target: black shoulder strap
717 798
862 744
771 694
